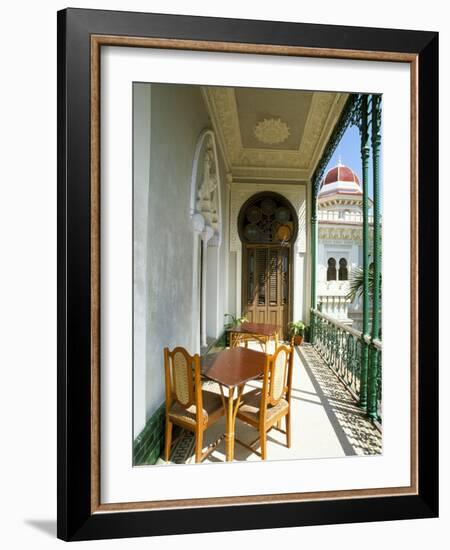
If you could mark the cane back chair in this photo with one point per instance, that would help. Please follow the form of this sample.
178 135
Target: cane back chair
265 407
187 405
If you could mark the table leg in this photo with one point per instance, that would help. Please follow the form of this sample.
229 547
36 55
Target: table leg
229 435
235 339
231 411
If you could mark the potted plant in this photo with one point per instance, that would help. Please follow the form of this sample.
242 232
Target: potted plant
296 332
233 322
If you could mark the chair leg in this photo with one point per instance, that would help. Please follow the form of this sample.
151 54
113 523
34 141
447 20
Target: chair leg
263 444
288 430
198 445
168 439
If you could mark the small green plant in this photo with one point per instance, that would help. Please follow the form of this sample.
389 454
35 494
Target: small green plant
357 283
234 321
296 328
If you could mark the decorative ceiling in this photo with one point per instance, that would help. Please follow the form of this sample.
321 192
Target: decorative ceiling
272 135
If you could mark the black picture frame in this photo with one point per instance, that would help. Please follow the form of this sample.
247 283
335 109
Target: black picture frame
75 519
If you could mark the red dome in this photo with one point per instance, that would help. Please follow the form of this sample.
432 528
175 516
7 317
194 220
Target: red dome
340 173
340 180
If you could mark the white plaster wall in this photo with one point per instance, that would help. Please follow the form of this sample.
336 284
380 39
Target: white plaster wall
231 304
164 304
141 162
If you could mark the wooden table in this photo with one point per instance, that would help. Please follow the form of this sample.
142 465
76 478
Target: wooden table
259 331
232 368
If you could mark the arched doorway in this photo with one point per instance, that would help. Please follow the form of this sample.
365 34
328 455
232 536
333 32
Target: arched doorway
268 227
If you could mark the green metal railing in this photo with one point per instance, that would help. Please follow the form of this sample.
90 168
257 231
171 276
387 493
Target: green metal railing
376 353
342 349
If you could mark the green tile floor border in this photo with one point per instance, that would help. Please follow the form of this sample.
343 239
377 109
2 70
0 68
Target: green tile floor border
149 443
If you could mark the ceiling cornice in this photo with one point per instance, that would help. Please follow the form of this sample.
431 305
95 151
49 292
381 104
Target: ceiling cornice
268 163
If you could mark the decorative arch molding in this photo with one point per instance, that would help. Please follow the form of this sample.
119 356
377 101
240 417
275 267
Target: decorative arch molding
205 215
205 200
241 193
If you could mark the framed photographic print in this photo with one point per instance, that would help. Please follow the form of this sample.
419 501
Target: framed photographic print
247 255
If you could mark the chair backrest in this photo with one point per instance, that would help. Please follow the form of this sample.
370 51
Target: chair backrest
278 376
183 380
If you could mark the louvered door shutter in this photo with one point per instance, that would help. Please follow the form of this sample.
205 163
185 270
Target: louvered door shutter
284 252
273 277
260 272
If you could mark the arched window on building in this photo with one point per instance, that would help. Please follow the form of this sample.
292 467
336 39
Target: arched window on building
331 271
343 270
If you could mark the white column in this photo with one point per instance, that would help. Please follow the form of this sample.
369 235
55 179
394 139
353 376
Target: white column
239 281
213 294
198 225
298 274
207 233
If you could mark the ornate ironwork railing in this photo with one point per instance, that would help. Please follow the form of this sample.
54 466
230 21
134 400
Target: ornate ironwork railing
376 346
341 347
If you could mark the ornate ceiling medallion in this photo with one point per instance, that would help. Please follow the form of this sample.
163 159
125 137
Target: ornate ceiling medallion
271 131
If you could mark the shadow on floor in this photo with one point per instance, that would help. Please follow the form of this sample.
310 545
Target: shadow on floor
356 434
46 526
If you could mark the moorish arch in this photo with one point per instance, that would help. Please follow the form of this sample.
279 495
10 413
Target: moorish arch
205 213
296 196
268 228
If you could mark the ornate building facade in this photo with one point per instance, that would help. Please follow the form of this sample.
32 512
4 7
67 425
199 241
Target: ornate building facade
340 243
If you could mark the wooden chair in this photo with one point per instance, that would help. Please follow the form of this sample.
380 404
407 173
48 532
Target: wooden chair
187 405
264 408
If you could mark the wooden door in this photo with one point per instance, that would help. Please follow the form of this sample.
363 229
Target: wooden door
266 285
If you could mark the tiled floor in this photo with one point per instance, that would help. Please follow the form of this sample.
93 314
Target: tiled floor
325 421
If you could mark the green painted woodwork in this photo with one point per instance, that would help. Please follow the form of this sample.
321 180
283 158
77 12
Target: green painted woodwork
149 443
365 152
373 385
313 260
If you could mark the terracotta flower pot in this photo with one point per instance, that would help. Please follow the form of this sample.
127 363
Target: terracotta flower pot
297 340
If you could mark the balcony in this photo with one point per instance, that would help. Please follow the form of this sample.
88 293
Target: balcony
327 421
342 217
